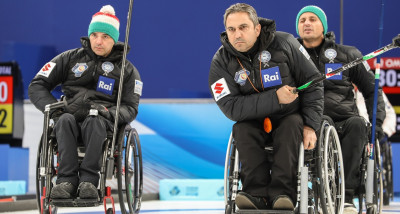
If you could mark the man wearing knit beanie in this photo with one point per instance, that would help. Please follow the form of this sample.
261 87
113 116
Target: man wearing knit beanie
104 31
339 104
89 77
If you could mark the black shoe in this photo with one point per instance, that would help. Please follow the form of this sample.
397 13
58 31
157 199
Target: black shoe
282 202
88 191
63 190
246 201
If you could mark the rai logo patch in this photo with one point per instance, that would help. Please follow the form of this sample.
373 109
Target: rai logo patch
105 85
271 77
329 67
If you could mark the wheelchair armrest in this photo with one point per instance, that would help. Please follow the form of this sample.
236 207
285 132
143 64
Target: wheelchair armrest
59 104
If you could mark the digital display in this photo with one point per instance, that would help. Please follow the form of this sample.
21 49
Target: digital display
6 104
389 80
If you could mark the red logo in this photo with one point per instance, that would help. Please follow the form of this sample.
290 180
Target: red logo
329 75
218 88
46 67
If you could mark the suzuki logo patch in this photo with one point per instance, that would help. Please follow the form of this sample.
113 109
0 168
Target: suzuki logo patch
271 77
105 85
220 89
329 67
46 70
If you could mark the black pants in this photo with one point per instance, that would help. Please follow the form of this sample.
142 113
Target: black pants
353 135
93 132
259 176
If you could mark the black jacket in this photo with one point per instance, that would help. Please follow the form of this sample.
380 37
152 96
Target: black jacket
339 96
84 81
238 100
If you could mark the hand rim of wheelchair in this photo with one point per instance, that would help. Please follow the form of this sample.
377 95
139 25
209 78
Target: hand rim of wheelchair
132 162
331 171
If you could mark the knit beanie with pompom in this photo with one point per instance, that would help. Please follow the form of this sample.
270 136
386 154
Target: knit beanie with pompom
106 22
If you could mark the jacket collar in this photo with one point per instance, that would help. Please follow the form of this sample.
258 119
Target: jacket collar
116 52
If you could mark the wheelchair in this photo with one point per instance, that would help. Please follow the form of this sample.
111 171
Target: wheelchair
320 176
127 169
370 192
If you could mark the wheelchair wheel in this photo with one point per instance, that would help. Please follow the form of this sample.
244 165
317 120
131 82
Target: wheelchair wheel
229 185
377 188
130 172
387 172
378 179
44 182
331 171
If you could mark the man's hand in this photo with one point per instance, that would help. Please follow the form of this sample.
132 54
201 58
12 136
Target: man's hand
379 133
285 95
56 114
309 138
103 111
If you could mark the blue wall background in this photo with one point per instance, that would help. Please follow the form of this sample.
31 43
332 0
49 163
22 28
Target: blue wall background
172 41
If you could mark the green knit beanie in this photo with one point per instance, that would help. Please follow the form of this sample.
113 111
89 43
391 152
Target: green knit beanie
317 11
106 22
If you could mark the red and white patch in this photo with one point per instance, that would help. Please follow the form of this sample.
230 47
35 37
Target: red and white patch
220 89
46 70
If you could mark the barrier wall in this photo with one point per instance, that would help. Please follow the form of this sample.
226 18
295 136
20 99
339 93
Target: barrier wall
179 141
14 170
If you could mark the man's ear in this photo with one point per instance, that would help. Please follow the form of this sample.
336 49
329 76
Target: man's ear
258 29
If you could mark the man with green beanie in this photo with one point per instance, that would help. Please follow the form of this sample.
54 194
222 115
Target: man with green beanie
89 77
339 103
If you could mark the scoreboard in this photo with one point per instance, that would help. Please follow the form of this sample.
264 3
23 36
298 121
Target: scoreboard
390 83
6 100
11 104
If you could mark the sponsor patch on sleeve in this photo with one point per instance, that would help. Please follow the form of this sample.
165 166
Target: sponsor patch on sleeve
220 89
46 69
304 51
138 87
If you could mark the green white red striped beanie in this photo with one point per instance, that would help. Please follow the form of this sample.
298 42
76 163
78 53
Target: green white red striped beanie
106 22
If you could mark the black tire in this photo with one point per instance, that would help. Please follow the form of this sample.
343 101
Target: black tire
363 178
228 176
129 172
377 191
390 170
42 182
387 172
110 211
228 209
371 210
386 199
319 153
311 210
378 180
